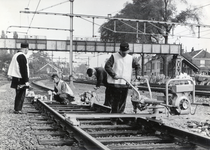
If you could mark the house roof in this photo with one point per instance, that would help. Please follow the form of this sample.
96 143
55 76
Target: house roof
186 58
190 64
52 66
203 54
196 54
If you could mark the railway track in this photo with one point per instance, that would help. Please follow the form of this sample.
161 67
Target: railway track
89 127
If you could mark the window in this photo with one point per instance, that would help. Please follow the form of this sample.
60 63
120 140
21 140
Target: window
202 63
158 65
153 66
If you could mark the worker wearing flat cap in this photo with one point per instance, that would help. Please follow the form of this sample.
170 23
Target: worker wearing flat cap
119 66
19 71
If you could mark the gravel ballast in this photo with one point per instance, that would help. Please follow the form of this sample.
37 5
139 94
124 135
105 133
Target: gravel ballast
16 134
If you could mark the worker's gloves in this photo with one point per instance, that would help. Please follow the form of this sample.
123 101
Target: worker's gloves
116 77
138 77
27 83
96 88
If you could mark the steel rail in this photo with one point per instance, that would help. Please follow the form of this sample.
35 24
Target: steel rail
105 115
179 133
161 89
90 142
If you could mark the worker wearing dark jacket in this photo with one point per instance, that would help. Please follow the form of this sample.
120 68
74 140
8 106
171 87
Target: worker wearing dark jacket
101 77
19 71
119 66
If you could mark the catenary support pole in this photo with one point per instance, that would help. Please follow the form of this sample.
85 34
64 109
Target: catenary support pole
71 45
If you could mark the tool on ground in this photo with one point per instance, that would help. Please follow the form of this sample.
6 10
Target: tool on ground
23 86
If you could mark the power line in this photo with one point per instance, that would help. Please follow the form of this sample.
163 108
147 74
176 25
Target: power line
28 3
122 19
34 15
54 5
201 7
125 19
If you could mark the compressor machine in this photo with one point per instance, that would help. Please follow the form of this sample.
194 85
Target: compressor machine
177 102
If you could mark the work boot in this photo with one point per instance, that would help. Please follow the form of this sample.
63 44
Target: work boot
65 102
18 112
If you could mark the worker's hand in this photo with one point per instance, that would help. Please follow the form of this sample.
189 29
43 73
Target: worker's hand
27 83
54 93
96 88
138 77
49 92
116 77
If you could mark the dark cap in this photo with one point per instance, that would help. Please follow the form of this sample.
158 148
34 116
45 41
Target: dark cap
90 72
24 45
124 46
54 76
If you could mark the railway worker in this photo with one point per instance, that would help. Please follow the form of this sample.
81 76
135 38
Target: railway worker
62 92
118 66
19 71
101 77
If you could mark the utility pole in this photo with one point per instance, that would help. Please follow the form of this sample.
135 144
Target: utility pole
71 45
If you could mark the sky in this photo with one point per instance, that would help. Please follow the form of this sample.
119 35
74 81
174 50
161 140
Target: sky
10 16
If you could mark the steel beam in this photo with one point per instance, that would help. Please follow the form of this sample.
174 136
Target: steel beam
87 46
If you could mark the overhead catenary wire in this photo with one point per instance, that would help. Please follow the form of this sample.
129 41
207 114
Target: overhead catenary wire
201 7
34 15
124 19
96 24
53 5
131 26
28 3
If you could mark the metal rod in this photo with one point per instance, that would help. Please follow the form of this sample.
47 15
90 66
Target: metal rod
137 32
199 32
122 19
38 28
93 27
71 45
145 28
115 25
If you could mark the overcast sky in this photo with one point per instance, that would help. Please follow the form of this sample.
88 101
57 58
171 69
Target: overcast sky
10 16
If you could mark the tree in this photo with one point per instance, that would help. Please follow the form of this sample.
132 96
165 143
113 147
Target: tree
3 35
38 60
158 10
5 59
15 35
82 68
154 10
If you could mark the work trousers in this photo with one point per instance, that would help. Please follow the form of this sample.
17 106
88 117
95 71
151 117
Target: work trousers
107 101
19 99
118 98
63 98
